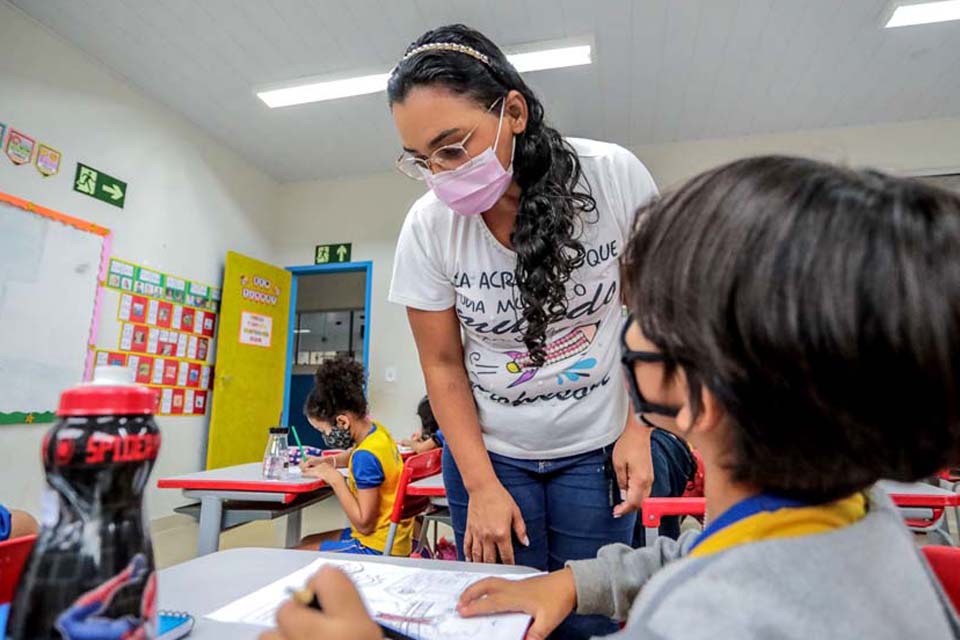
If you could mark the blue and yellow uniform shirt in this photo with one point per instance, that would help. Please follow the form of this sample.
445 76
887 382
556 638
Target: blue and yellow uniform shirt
375 464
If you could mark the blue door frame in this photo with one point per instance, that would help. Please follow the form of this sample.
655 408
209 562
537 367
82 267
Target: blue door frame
314 269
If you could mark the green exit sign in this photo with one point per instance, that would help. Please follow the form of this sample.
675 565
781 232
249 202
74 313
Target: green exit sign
333 253
99 185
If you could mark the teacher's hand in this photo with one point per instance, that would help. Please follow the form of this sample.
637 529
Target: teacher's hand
492 517
634 466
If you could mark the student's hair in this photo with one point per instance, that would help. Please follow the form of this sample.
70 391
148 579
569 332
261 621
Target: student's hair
821 307
338 389
427 420
553 191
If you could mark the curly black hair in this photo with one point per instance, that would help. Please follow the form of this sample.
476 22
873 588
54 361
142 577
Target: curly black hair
553 192
338 389
821 307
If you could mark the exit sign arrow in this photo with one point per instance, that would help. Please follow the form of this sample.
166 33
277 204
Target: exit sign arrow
114 190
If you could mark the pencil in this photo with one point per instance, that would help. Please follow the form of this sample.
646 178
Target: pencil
296 436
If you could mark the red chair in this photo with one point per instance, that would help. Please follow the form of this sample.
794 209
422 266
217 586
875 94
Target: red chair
405 506
13 555
945 562
653 509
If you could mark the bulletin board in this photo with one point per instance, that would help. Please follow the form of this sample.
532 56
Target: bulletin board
50 267
167 328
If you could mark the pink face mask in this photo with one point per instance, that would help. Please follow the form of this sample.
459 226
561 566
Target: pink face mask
476 185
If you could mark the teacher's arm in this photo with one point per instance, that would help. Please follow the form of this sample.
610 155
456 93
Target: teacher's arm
492 515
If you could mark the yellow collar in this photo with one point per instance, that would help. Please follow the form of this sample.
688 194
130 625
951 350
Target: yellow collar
788 522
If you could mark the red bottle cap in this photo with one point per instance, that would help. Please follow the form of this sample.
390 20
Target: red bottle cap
107 400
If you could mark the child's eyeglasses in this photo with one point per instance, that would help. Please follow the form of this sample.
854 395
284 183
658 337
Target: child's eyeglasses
629 359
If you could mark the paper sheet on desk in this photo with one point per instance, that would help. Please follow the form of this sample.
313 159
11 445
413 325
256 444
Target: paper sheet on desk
419 602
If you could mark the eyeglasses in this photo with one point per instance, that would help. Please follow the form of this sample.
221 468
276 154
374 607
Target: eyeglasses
445 158
629 360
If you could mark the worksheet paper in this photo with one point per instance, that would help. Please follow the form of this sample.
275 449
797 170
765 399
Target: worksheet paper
419 602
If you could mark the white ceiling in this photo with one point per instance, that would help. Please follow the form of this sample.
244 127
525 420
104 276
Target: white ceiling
664 70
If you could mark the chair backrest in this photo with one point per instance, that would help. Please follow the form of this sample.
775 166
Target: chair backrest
945 562
415 468
13 555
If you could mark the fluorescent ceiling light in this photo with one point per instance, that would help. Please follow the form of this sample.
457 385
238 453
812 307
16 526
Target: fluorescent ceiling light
301 330
330 90
551 58
906 15
536 60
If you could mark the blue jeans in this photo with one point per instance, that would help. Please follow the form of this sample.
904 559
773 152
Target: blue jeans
673 468
566 506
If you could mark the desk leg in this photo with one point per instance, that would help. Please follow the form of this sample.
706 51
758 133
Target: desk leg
293 529
211 517
649 535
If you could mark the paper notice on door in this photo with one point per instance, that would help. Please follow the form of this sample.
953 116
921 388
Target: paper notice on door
255 329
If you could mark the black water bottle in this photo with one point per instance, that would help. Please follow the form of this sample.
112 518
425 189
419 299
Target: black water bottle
91 572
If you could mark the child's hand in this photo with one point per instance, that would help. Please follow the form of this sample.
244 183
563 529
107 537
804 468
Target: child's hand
343 617
326 472
549 599
312 462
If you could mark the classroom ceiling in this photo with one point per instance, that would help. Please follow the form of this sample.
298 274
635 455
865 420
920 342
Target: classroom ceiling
664 70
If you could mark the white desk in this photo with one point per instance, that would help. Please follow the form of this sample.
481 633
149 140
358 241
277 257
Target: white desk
205 584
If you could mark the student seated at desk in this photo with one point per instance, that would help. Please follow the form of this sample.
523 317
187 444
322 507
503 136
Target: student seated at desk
15 524
429 437
337 407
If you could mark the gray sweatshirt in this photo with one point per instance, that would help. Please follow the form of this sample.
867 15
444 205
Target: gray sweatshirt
866 580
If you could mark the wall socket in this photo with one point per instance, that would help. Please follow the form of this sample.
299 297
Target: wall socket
391 374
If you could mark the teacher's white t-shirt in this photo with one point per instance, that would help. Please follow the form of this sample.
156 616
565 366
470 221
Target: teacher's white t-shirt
576 401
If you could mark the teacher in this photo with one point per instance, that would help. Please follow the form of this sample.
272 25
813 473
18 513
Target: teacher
509 269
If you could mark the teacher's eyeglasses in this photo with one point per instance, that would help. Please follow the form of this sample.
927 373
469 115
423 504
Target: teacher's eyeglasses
445 158
629 359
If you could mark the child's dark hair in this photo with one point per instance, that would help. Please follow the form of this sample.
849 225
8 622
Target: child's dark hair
338 389
428 421
821 307
553 192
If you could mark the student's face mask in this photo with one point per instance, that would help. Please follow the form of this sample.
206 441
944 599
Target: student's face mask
338 437
476 185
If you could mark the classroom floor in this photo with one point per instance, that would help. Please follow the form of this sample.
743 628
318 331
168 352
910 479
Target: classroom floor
175 537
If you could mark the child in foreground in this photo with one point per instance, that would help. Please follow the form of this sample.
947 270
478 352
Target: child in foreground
800 322
337 407
429 437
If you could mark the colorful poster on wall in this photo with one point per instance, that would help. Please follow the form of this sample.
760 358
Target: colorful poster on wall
3 133
48 160
19 147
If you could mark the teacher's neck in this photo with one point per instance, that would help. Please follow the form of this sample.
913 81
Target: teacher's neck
502 216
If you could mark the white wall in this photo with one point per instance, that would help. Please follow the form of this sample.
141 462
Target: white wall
367 212
189 201
370 211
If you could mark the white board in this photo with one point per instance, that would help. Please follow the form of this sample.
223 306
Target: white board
48 287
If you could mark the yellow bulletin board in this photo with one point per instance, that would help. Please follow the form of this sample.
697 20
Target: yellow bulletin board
251 360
